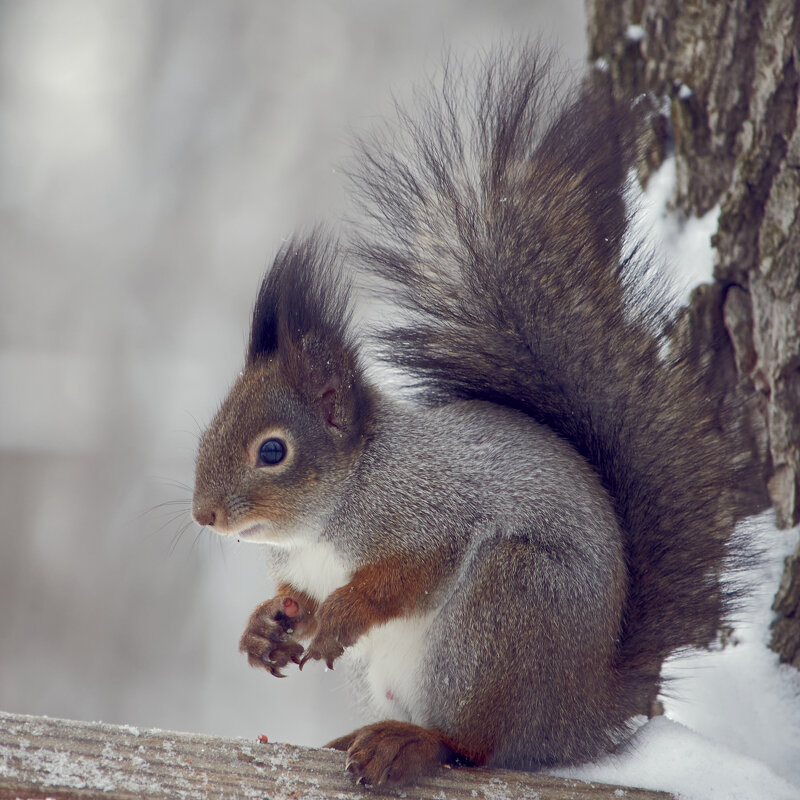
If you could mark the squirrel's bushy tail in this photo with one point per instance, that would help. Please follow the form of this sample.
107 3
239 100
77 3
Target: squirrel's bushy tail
501 228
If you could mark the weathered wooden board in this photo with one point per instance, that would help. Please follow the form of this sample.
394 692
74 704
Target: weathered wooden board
66 760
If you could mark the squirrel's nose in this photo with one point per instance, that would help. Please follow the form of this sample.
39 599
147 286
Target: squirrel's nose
207 513
205 517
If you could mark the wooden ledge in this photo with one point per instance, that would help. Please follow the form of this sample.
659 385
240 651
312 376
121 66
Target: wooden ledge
65 760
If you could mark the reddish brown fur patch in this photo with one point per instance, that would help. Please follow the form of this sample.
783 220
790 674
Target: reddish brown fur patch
377 593
380 592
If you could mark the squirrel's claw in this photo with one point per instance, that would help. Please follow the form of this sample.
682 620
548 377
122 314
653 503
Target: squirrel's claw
316 656
323 648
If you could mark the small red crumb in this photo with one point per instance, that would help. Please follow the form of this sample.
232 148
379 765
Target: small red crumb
389 694
290 607
262 738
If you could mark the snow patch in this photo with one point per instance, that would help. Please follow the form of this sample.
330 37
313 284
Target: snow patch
741 697
665 755
732 729
681 245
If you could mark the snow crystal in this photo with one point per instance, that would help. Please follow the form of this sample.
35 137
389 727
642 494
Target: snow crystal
634 33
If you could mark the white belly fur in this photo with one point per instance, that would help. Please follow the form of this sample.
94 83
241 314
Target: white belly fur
315 568
389 657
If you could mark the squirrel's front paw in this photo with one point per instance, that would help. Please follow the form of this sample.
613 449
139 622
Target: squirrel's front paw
267 639
324 647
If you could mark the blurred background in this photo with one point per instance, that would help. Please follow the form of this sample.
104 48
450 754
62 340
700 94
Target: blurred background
153 155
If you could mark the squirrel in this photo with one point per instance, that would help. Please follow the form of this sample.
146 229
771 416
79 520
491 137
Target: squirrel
511 557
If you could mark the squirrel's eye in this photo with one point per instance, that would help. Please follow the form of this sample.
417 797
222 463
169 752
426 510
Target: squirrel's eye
272 452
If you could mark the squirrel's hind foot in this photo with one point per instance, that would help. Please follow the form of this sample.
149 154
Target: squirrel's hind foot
392 752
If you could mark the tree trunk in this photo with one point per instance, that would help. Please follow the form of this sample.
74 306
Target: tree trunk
724 77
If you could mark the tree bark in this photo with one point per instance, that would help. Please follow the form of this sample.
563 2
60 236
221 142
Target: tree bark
724 78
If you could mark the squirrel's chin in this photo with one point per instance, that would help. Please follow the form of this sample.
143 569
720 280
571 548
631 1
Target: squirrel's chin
259 532
273 533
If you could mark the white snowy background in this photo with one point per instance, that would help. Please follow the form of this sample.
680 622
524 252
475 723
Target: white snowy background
153 155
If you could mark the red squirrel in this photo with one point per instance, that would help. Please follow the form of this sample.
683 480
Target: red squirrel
512 556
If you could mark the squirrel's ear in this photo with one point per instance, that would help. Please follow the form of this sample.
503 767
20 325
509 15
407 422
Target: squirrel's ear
301 318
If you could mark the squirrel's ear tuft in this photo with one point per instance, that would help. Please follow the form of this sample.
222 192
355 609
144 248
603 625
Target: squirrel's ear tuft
302 296
302 317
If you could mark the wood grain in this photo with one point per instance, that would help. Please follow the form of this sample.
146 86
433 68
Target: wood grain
66 760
